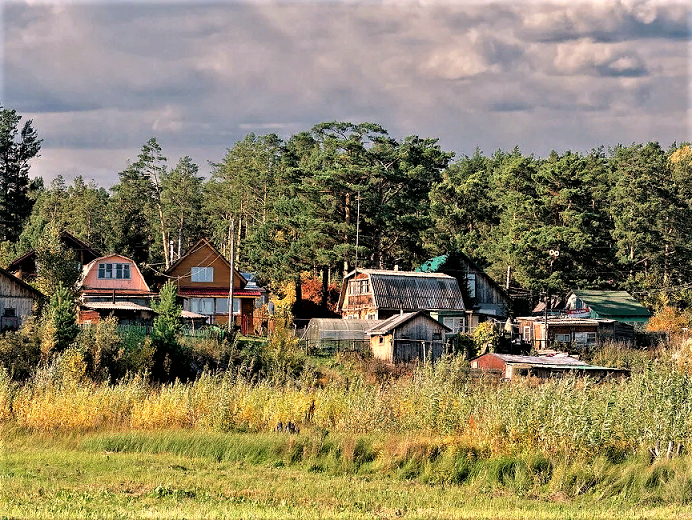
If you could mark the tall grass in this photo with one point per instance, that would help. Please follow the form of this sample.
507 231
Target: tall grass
570 417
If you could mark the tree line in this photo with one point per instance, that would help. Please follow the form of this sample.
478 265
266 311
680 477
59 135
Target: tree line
345 195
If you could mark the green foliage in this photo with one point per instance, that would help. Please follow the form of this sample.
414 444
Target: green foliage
57 265
17 148
20 351
487 337
60 323
170 359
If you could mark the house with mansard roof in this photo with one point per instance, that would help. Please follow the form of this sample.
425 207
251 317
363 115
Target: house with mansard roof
113 285
375 294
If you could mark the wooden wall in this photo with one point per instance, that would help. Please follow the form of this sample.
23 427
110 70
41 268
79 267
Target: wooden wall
205 256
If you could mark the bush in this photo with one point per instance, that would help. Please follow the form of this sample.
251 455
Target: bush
20 351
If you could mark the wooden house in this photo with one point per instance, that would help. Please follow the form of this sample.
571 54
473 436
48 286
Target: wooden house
25 267
541 333
372 294
203 278
408 336
610 305
509 366
483 297
16 301
114 285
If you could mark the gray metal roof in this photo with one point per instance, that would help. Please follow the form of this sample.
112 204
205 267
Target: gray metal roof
542 360
412 291
386 326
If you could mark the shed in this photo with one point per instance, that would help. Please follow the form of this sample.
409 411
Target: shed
408 336
543 367
16 300
331 335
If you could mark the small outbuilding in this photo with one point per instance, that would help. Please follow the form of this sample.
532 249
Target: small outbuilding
543 367
408 336
16 301
332 335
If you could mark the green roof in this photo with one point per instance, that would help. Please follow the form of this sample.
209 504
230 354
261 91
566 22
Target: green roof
612 303
433 265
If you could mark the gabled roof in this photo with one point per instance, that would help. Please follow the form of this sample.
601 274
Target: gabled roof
201 243
412 291
388 325
612 303
22 284
435 264
68 237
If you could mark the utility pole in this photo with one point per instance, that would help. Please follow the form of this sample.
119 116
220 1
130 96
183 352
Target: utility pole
357 230
231 237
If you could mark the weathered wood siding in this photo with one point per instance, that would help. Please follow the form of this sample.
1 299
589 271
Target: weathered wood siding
15 295
382 348
359 306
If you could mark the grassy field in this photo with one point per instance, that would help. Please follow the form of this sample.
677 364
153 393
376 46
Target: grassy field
193 474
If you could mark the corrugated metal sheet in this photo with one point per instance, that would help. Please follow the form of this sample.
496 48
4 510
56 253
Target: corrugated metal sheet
541 360
415 291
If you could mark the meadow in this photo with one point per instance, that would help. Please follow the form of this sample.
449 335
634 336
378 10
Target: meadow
433 441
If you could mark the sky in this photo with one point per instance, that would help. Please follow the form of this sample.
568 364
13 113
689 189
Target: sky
99 79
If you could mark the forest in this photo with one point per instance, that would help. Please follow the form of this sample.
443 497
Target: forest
341 195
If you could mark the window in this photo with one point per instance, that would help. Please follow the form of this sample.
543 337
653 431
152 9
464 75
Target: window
10 312
202 306
471 284
527 334
585 338
202 274
381 339
563 338
454 323
222 306
118 271
437 336
359 286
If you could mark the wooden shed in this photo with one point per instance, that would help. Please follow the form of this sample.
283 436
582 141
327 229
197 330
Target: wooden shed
16 300
408 336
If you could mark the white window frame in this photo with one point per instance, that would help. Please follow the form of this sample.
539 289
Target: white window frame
110 271
200 274
563 338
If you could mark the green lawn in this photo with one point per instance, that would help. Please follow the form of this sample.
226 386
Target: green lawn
73 477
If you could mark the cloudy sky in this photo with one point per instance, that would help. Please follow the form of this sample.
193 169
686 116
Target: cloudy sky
98 79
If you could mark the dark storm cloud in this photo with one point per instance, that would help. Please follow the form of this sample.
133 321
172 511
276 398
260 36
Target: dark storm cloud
100 79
